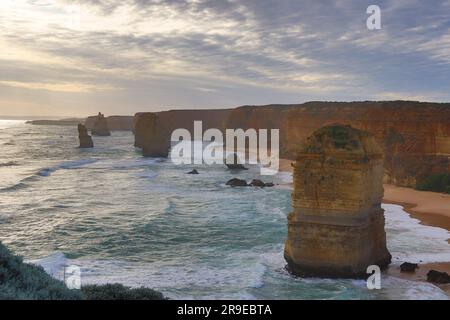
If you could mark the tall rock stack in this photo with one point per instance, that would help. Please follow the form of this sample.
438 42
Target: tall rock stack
85 138
100 126
157 141
337 226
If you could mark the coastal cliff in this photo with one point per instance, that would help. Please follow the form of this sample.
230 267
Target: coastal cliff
175 119
115 123
337 226
415 136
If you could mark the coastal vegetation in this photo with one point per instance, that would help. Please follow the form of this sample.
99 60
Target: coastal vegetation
436 183
118 291
22 281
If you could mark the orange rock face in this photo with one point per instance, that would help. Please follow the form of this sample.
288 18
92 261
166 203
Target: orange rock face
414 136
114 123
337 226
156 143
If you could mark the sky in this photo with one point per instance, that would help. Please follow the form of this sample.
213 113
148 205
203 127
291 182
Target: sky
77 57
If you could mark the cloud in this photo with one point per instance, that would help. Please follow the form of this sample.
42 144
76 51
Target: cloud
134 55
58 87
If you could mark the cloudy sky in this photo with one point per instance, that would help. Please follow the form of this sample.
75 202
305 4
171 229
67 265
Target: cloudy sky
73 58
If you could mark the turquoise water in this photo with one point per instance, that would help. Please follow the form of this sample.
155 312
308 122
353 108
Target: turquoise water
123 218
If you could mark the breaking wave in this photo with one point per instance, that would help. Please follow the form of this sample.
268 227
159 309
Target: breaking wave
9 164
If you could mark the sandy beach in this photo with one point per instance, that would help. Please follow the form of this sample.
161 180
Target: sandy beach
429 207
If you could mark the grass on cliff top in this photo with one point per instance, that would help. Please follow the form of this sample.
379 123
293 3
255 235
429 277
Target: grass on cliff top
341 136
435 182
21 281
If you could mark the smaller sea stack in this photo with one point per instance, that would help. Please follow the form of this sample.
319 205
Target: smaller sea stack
336 229
85 138
100 126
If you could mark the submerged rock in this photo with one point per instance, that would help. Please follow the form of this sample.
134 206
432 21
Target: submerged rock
235 182
337 226
85 138
257 183
100 126
233 163
438 277
194 171
261 184
408 267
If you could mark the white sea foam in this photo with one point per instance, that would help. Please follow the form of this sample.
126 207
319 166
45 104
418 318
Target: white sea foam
53 264
123 164
408 240
44 172
285 177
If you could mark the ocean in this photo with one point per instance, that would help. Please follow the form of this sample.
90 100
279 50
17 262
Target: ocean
145 222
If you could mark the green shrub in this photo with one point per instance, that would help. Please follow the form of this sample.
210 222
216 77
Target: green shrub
23 281
119 292
435 182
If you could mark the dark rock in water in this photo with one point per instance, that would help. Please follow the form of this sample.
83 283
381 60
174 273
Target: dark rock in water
261 184
193 172
257 183
438 277
408 267
236 167
85 138
100 126
154 152
232 162
235 182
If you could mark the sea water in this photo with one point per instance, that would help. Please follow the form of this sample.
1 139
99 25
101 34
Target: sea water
145 222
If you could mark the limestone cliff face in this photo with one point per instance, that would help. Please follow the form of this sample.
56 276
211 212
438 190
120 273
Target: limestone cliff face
115 123
166 122
85 138
415 136
337 226
100 126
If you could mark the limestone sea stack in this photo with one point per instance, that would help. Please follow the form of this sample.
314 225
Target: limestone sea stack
85 138
337 226
157 142
100 126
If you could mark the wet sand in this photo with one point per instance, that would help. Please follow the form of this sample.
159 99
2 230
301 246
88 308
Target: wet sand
430 208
